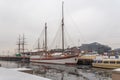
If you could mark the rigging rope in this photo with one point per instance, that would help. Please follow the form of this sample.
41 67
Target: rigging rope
41 39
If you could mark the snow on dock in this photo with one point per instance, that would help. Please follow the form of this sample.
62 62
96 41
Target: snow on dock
26 70
8 74
21 69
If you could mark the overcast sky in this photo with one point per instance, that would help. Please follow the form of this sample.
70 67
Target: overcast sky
86 21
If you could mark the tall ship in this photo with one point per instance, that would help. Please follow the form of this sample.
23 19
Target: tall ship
55 57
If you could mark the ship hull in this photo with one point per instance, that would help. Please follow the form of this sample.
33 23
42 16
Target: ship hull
72 60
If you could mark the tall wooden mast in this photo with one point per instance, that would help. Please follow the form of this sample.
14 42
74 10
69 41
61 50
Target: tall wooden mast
45 36
23 43
19 43
63 26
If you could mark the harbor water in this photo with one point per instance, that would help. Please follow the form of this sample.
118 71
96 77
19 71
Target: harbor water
62 72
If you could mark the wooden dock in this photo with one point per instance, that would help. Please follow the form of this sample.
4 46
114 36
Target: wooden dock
14 58
116 74
85 60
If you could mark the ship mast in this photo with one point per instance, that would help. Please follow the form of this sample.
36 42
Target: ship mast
38 44
23 43
62 26
19 44
45 36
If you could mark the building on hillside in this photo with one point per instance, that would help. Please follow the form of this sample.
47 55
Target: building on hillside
97 47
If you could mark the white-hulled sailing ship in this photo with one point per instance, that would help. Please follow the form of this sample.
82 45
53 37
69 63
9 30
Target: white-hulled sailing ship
60 57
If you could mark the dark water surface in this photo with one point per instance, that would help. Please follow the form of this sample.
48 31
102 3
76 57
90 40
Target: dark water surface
63 72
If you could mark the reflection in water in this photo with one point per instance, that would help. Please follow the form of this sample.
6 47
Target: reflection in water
63 72
56 72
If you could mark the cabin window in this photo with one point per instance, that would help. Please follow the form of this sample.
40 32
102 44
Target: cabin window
118 62
112 62
99 61
105 61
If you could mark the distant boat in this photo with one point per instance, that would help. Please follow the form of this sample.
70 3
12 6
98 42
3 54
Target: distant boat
60 57
106 62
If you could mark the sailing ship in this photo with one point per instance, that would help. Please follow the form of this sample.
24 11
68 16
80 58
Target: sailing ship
61 57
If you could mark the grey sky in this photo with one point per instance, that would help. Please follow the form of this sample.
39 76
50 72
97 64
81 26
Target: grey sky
85 20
